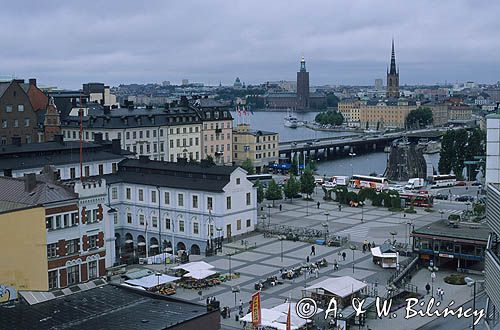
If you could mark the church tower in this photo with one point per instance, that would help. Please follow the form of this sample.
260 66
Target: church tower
52 122
393 76
303 86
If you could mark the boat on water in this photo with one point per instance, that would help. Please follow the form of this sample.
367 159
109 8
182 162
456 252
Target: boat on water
291 121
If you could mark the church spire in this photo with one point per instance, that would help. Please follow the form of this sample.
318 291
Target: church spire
393 60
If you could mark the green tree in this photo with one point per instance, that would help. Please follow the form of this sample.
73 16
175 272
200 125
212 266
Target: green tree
328 194
248 166
273 191
419 118
366 193
446 153
295 166
329 118
260 191
476 145
291 187
341 194
307 182
460 143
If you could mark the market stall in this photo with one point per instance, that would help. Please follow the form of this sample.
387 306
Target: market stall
385 256
343 289
276 317
160 283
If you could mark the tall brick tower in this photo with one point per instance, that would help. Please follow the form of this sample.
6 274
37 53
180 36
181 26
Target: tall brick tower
52 122
303 86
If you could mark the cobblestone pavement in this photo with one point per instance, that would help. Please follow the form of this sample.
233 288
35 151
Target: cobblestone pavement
261 257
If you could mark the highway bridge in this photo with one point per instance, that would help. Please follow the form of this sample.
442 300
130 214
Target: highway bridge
345 145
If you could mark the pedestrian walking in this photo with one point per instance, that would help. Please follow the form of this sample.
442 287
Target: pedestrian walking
442 294
318 204
316 272
335 265
307 259
343 255
313 250
281 207
340 207
438 292
364 248
369 245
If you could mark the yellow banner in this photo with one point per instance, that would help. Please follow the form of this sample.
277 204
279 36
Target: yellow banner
256 315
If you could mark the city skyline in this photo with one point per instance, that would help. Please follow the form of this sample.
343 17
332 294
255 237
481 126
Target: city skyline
65 44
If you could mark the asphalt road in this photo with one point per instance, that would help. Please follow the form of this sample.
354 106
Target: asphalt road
457 324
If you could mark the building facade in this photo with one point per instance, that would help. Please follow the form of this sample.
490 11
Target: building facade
260 147
393 76
385 113
77 227
183 206
350 110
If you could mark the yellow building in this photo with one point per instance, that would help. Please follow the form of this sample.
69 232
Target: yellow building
350 110
260 147
23 264
385 113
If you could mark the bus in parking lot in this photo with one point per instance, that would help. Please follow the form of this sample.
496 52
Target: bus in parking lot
412 199
444 180
366 181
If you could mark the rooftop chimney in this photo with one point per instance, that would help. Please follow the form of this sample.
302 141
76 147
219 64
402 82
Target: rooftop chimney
29 182
116 146
143 159
50 172
59 138
16 140
32 81
98 137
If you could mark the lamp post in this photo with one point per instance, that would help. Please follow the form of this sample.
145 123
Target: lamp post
352 247
269 214
219 238
158 275
352 154
472 282
362 216
327 214
229 257
281 237
433 271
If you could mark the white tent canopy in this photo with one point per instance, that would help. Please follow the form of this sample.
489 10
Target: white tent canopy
376 252
276 317
152 280
196 265
200 274
340 286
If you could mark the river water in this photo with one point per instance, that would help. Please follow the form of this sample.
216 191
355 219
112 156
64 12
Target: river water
359 164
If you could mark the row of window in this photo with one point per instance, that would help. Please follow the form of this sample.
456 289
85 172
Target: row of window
86 170
60 221
218 148
10 107
15 123
217 137
180 197
184 142
205 126
73 274
3 139
72 247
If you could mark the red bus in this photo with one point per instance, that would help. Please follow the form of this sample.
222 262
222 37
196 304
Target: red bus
411 199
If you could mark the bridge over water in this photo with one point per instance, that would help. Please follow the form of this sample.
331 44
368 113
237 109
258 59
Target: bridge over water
345 145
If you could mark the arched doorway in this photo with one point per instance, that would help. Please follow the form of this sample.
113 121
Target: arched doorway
129 242
154 248
195 249
181 246
141 246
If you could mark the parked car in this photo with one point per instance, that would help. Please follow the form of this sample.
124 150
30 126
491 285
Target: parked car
309 143
329 185
441 197
476 183
460 183
464 199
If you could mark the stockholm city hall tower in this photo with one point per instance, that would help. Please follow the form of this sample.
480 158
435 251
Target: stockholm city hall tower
392 76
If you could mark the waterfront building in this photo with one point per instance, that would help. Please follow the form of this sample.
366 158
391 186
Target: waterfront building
391 113
77 234
492 258
99 157
217 133
393 76
260 147
350 110
184 205
439 112
459 112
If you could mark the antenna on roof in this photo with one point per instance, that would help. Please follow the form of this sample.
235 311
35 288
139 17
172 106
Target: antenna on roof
80 112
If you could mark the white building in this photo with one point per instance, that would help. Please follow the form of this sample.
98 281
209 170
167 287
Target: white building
184 205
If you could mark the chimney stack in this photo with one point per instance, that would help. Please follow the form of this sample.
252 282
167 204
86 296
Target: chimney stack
32 81
98 137
29 182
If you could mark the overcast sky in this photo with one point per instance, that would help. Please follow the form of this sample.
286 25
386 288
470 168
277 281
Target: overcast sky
66 43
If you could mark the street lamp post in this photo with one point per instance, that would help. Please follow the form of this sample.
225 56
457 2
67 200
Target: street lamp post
281 245
327 234
472 282
352 247
352 154
269 214
362 217
433 271
229 257
219 238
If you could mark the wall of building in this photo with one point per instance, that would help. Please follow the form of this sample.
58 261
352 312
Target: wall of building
493 149
217 141
23 264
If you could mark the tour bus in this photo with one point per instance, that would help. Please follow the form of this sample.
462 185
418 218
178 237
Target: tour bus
365 181
412 199
445 180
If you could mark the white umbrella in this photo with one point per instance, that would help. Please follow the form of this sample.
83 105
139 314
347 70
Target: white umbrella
196 265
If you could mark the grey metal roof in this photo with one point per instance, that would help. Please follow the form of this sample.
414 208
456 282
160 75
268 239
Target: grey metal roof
106 307
440 228
13 190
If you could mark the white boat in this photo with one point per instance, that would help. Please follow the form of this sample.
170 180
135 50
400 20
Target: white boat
290 120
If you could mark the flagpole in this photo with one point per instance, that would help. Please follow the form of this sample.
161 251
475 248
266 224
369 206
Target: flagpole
146 233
